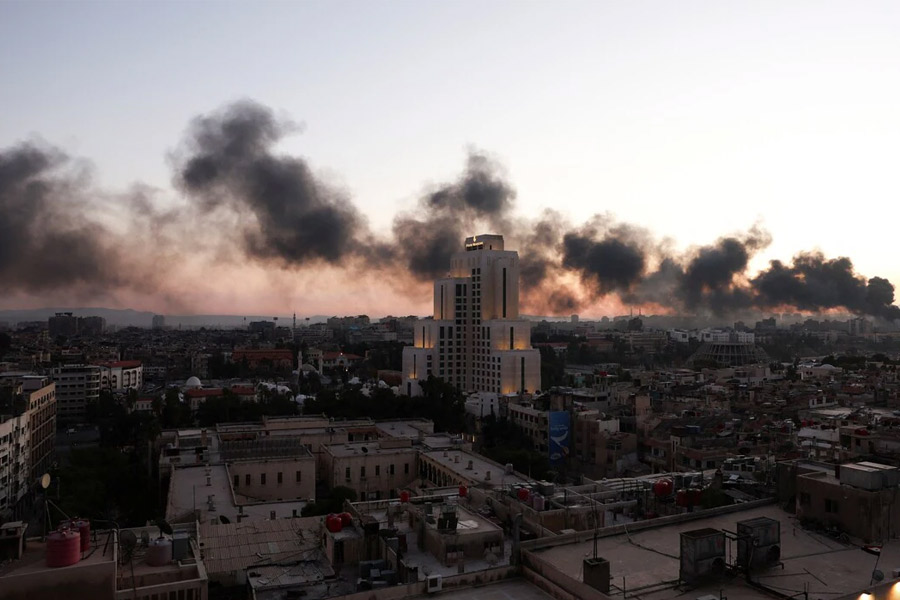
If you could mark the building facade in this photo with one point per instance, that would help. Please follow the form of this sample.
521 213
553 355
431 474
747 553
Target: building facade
475 338
76 387
122 375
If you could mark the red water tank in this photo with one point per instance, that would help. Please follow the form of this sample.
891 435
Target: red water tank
694 496
404 496
663 488
681 498
83 526
63 548
346 519
333 523
463 491
523 494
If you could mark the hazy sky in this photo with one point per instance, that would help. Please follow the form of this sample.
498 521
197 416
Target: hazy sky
692 119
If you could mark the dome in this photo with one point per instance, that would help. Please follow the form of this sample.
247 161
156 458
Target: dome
193 383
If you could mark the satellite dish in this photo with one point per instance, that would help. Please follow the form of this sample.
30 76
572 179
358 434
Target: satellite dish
224 520
877 575
164 526
45 480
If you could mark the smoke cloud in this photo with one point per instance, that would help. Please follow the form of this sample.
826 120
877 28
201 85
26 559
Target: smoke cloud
430 235
275 211
48 239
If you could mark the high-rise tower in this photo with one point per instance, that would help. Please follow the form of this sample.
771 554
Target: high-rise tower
475 339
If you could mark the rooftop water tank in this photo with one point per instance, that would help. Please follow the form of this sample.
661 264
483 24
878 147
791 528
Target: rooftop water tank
159 552
63 548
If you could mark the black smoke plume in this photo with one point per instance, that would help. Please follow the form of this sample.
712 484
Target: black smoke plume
227 159
47 238
428 237
276 211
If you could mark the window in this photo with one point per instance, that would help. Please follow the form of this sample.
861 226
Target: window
298 477
247 479
279 478
406 468
831 506
392 469
362 471
237 480
377 470
347 474
262 479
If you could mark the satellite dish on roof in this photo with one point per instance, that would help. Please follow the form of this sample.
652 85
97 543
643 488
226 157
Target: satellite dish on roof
45 480
877 575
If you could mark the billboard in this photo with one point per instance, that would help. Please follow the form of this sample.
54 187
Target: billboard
559 436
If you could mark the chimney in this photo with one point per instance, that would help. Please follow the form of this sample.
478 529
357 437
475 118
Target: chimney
203 440
487 476
208 481
456 459
469 466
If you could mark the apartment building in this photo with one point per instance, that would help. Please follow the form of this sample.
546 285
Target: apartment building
77 386
475 338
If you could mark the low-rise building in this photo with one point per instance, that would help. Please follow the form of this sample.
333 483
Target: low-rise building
374 470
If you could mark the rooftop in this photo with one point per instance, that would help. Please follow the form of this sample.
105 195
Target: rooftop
458 461
650 557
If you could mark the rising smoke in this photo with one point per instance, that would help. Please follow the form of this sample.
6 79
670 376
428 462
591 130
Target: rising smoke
275 210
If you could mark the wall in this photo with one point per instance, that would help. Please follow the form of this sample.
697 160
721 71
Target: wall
77 582
556 583
288 489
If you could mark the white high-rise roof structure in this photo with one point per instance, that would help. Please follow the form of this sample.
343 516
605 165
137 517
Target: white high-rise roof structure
475 339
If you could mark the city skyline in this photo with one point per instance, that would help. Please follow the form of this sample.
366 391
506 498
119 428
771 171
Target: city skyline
767 128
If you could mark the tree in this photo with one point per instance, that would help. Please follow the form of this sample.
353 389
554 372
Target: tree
333 503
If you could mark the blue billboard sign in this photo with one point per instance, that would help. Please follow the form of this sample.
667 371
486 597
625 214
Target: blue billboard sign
559 436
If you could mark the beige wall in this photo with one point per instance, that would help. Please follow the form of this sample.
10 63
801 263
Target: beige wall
870 516
387 470
263 476
77 582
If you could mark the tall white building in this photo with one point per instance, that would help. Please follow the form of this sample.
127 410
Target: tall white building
475 339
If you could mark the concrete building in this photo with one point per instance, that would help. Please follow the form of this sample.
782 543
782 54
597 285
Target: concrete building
40 399
158 322
122 375
475 338
27 436
858 500
374 470
15 443
76 387
65 324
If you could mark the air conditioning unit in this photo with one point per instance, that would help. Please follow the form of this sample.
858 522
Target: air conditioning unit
434 584
712 567
758 543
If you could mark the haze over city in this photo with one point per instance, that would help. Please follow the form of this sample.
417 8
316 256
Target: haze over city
329 158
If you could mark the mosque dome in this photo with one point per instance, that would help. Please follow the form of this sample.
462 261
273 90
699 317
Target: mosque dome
193 383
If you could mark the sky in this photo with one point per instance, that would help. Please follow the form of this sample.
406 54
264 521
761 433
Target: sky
690 120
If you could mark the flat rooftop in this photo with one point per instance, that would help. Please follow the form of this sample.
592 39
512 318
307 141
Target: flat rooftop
188 491
35 558
364 448
509 589
480 467
649 559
